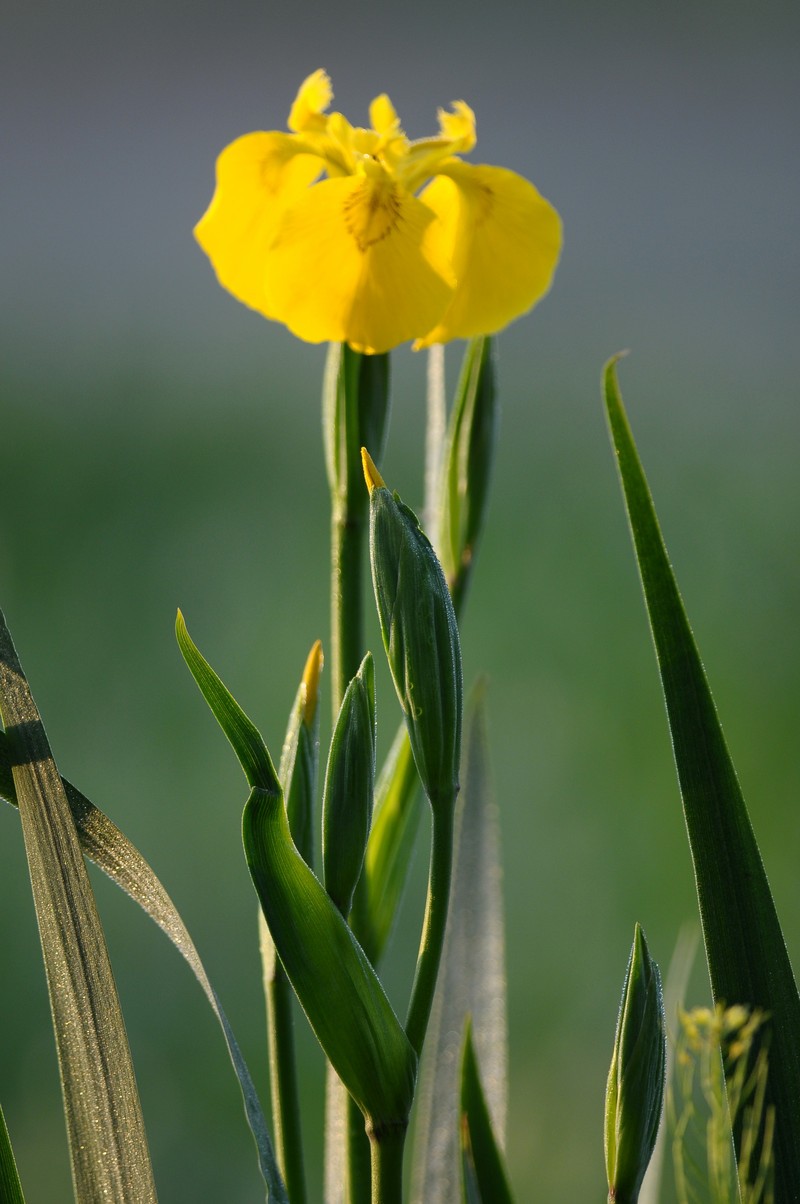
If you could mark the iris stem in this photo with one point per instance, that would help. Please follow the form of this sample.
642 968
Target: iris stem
347 611
355 408
283 1083
359 1155
433 928
387 1166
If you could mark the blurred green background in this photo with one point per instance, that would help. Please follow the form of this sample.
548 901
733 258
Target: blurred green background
160 447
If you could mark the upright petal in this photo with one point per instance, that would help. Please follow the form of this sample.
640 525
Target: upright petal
307 113
354 262
503 240
424 157
258 175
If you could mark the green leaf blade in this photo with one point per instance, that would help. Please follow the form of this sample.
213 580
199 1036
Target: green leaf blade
241 733
10 1186
746 951
484 1175
335 983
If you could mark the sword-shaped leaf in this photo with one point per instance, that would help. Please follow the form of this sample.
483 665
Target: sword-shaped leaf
746 952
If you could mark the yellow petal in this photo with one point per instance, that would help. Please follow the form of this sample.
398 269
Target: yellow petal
313 97
258 175
503 239
424 157
353 262
383 116
458 127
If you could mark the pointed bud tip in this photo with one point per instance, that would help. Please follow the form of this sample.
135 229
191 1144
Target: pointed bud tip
311 674
371 475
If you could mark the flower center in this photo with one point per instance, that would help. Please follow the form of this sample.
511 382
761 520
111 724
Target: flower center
372 212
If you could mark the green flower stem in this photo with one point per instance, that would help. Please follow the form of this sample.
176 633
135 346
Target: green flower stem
355 409
283 1083
359 1155
348 529
433 928
387 1166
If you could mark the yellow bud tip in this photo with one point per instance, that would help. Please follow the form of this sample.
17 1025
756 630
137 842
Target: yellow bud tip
371 475
311 681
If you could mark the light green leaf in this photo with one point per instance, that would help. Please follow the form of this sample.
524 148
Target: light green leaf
747 956
469 460
472 979
484 1175
107 1141
398 806
10 1186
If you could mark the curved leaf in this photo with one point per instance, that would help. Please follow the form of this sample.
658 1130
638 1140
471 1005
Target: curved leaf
107 1140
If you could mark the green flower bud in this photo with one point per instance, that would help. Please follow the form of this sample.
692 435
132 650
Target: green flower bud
635 1089
420 636
349 786
298 768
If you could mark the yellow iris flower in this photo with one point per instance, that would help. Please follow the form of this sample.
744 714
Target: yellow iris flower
325 229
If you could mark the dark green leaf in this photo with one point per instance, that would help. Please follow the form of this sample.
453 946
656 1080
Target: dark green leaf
349 786
635 1088
10 1186
336 985
420 636
484 1173
746 952
244 737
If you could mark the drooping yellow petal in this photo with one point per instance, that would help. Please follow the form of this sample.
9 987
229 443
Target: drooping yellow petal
307 114
503 240
258 175
353 261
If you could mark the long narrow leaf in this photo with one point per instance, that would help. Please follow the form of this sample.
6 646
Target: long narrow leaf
109 848
108 1145
746 952
472 980
10 1186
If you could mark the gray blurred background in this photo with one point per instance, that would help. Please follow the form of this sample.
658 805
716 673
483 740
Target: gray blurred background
159 447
